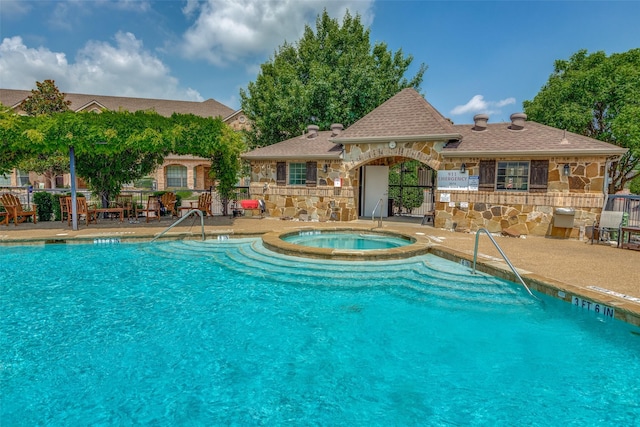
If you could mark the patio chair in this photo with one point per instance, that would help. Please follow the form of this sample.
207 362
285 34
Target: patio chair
203 204
153 207
64 208
15 210
610 221
168 201
82 209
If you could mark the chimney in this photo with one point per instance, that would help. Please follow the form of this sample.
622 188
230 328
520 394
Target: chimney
312 131
336 128
480 121
517 121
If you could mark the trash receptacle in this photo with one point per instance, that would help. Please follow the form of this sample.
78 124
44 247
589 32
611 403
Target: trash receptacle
563 217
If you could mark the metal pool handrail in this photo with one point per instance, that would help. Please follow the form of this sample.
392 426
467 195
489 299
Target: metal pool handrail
182 219
475 256
373 213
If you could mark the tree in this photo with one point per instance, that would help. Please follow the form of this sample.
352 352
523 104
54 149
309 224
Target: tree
599 97
403 188
14 146
330 76
117 147
112 148
212 139
46 100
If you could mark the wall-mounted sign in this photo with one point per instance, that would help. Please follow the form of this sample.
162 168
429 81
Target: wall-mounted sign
453 180
445 197
474 182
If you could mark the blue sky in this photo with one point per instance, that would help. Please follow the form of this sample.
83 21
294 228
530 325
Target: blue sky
482 56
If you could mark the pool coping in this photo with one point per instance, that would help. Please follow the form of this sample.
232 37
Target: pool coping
625 309
274 241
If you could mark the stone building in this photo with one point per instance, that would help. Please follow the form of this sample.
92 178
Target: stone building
176 172
510 177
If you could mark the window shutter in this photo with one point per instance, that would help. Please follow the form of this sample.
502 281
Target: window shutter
538 176
281 173
312 174
487 181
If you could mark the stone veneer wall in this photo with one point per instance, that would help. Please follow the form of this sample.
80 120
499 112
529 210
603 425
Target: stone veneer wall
321 203
514 212
522 213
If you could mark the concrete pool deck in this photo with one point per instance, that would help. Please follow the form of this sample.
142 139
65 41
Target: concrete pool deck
562 268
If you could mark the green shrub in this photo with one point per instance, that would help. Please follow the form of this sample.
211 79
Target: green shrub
184 194
634 187
44 202
144 183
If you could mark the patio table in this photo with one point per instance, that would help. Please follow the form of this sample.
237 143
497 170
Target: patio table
112 211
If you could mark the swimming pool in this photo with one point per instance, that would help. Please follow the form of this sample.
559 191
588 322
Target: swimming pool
227 333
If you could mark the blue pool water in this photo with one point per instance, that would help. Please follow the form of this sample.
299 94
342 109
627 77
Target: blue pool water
227 333
350 241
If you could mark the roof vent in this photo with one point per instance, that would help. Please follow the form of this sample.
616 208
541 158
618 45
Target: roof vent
517 121
312 131
336 128
480 121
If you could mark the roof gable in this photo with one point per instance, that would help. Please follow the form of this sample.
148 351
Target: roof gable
406 114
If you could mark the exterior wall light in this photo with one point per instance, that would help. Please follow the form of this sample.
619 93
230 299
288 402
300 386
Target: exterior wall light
566 170
463 168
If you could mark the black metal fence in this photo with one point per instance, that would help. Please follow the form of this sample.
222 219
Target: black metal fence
627 203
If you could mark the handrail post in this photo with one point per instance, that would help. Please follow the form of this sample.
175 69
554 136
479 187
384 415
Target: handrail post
192 211
475 257
373 213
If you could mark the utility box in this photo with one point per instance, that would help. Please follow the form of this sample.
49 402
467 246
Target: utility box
563 217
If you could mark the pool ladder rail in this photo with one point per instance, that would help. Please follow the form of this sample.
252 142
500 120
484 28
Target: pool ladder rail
185 216
373 213
506 259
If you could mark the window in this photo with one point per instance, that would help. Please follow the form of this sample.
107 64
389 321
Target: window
176 176
297 174
23 178
5 180
512 176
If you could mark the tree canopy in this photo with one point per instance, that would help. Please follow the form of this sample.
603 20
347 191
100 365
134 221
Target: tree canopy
332 75
46 99
597 96
14 147
117 147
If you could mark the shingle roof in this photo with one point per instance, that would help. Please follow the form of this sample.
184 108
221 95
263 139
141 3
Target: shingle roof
406 114
79 102
535 139
300 147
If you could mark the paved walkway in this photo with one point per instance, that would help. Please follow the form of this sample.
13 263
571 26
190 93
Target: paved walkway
598 272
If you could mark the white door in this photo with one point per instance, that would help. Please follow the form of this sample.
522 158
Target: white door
376 187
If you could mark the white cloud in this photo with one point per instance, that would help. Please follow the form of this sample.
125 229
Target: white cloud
230 30
121 69
477 105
